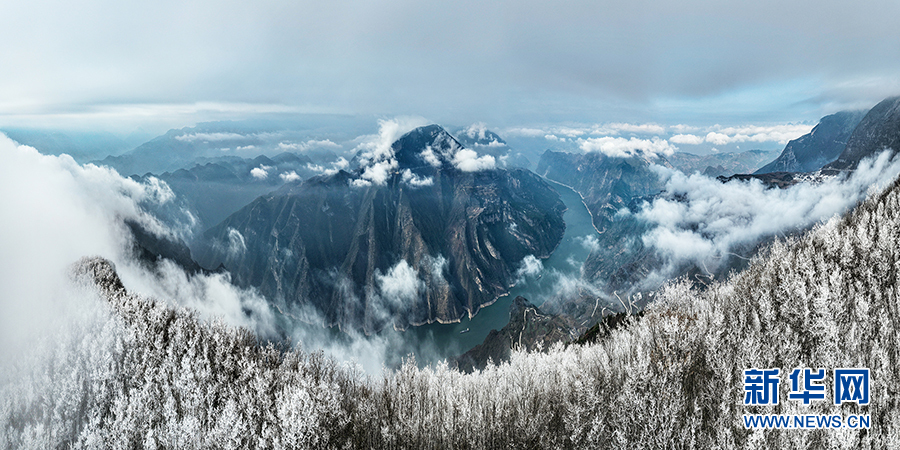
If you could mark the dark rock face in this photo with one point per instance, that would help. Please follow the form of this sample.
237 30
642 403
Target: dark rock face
431 243
878 130
528 328
822 145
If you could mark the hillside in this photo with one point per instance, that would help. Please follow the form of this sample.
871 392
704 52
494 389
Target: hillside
146 375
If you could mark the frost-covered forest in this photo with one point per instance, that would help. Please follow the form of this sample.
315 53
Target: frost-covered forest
137 373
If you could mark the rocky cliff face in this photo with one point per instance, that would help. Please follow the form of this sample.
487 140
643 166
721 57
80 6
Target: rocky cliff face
878 130
822 145
433 240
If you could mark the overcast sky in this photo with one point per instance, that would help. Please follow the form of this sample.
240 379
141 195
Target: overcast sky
111 63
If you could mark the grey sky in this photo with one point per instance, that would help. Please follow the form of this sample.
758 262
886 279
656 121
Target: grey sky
506 63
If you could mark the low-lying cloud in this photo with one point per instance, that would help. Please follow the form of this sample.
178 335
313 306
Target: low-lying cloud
617 147
211 137
261 172
376 156
308 145
289 177
469 161
701 221
780 134
531 267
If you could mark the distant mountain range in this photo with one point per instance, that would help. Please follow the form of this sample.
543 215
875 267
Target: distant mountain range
81 146
183 148
218 187
716 164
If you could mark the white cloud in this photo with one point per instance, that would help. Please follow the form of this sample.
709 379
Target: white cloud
379 172
530 267
525 132
492 144
684 134
289 176
621 147
261 172
616 128
689 139
210 137
477 131
774 133
436 267
701 220
310 144
336 166
341 163
401 285
377 147
682 128
468 161
236 244
590 242
718 138
430 157
780 134
56 212
416 180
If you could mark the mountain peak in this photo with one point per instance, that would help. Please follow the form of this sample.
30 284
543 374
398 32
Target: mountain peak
429 145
